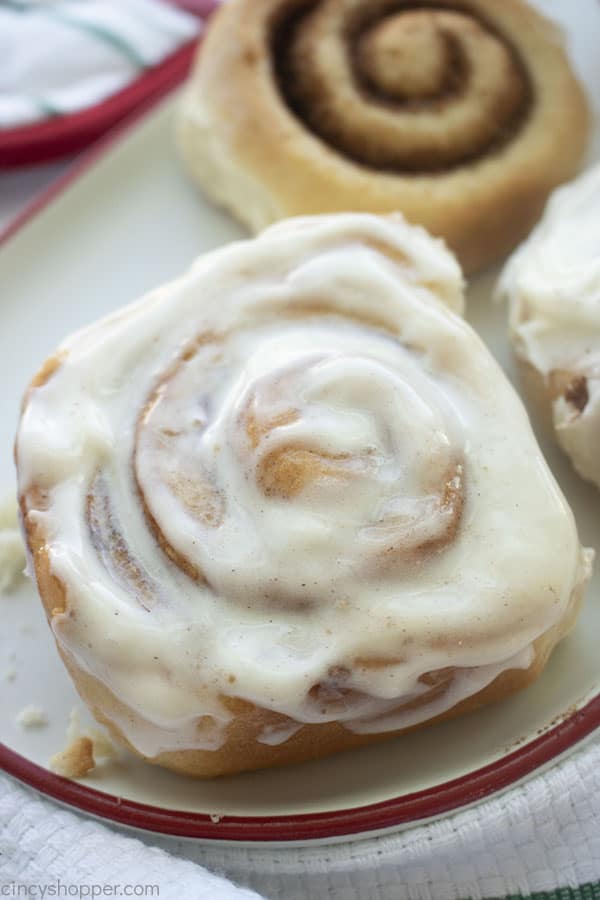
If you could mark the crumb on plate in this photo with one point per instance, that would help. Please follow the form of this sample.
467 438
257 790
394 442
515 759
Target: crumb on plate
12 549
32 716
76 760
83 751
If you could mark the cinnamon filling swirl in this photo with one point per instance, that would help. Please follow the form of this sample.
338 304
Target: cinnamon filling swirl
319 416
400 86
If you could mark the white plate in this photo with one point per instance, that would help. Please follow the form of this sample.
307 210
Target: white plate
127 223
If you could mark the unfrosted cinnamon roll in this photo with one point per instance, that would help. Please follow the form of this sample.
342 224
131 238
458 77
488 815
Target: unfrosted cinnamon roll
289 504
552 283
463 116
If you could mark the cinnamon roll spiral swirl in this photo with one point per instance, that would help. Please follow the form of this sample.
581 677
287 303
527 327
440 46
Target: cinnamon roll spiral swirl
462 115
289 503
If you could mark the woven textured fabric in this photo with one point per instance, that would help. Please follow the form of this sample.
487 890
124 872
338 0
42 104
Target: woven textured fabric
583 892
542 836
47 851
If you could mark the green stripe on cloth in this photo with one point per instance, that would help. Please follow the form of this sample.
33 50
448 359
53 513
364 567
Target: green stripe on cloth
589 891
45 107
100 32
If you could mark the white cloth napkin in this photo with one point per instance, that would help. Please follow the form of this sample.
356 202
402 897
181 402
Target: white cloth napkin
62 56
46 850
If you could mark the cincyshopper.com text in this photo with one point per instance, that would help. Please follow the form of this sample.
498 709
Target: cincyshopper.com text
39 891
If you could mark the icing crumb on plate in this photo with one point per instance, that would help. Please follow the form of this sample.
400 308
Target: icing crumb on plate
32 716
12 550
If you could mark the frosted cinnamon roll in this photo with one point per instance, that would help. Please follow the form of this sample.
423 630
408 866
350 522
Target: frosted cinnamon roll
289 504
463 116
552 283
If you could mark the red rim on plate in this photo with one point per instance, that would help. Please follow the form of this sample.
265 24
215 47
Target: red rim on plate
406 809
66 135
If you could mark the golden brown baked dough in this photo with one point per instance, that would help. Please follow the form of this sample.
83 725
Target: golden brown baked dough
461 115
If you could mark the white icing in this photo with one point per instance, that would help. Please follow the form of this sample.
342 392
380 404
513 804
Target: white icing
300 597
466 683
278 734
553 285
